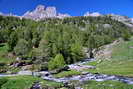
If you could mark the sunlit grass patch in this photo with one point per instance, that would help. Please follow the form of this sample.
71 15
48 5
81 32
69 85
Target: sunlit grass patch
106 85
121 62
67 73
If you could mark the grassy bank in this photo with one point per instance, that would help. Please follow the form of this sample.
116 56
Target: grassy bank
106 85
121 62
67 73
25 82
4 54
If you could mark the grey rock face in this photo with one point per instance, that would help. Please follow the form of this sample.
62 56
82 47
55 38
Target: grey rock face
119 17
63 15
124 19
51 12
94 14
40 8
36 85
132 20
105 52
41 13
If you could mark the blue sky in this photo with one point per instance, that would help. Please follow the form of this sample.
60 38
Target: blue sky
72 7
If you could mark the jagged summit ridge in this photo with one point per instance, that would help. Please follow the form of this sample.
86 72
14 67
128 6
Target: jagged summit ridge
124 19
42 12
40 8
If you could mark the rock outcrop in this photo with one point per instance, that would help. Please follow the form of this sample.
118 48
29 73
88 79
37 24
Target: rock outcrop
95 14
132 20
62 15
119 17
124 19
36 85
41 12
105 52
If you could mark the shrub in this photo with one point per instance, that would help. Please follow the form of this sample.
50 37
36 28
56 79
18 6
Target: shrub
3 81
44 66
57 62
126 36
12 41
76 52
21 48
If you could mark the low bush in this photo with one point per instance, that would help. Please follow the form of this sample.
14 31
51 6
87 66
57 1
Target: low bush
3 81
57 62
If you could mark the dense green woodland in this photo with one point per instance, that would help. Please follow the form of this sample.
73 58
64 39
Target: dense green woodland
57 42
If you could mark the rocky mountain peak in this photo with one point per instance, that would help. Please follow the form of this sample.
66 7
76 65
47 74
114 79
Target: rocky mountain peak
40 8
42 12
51 11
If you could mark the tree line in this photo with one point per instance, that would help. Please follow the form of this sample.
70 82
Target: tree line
58 42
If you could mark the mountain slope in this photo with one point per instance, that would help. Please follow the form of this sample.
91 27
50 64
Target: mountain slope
42 40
